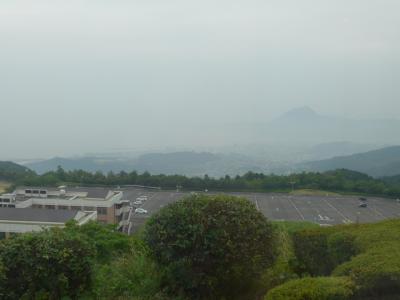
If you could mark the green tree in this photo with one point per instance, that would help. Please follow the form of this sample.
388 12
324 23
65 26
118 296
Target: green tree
211 246
132 275
50 265
107 241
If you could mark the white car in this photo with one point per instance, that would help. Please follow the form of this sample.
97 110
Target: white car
138 202
140 211
141 198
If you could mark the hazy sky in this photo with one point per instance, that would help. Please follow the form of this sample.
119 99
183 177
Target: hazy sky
96 75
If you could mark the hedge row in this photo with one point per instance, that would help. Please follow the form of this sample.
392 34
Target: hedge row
367 255
319 251
375 272
317 288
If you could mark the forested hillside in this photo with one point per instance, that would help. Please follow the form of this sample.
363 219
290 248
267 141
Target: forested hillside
343 181
10 171
377 163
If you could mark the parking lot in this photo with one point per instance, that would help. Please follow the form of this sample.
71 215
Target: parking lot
324 210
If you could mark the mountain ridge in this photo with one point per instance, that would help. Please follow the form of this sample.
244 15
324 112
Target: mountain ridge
377 163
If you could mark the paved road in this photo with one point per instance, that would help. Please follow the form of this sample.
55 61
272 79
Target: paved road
325 210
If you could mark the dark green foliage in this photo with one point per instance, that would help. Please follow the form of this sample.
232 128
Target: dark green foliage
294 226
11 171
318 288
312 253
367 253
132 275
50 265
211 246
105 238
339 180
341 247
319 250
376 272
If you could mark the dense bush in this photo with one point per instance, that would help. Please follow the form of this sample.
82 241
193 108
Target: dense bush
105 238
47 265
132 275
211 246
341 247
312 253
317 288
376 272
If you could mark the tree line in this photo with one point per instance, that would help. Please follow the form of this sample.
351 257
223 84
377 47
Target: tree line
341 180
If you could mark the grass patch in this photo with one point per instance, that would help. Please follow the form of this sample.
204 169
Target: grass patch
293 226
4 186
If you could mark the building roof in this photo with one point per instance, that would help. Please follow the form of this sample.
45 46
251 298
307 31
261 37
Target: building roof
90 192
36 215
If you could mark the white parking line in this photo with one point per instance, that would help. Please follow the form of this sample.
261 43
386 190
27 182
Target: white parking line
255 198
295 207
345 219
377 212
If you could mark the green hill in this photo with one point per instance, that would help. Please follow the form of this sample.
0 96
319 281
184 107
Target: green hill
377 163
10 171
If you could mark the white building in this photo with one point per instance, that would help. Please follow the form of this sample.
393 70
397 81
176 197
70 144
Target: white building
13 221
108 204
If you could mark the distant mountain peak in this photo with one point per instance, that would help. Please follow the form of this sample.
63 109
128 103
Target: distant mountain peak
300 112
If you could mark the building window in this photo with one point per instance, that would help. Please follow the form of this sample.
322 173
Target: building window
102 210
28 192
43 192
35 192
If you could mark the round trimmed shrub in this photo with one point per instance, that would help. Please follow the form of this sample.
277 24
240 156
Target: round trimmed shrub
313 288
376 272
211 246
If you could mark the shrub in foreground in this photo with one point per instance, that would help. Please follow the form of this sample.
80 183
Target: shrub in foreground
105 238
211 246
130 276
341 247
312 254
317 288
46 265
376 272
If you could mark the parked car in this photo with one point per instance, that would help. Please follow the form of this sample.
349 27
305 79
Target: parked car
363 205
140 211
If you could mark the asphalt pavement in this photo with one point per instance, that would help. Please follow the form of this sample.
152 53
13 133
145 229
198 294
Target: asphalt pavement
323 210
